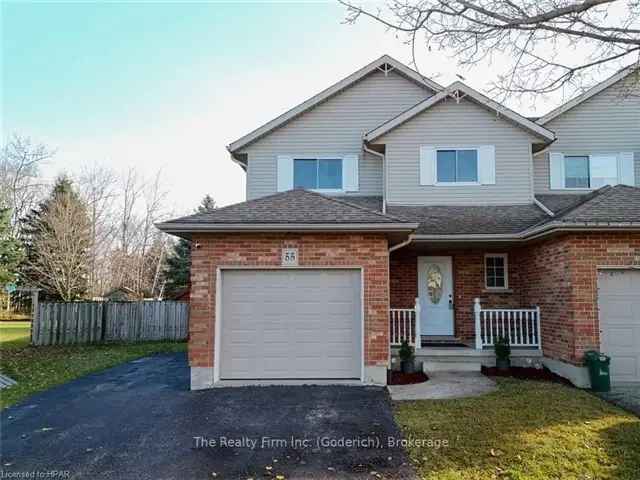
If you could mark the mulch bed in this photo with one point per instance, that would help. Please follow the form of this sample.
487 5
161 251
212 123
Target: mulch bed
526 373
399 378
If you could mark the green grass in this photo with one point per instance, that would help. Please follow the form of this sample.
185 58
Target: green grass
14 334
39 368
524 430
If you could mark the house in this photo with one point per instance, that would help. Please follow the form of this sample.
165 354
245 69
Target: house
389 207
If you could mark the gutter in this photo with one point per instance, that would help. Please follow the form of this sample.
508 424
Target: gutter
384 174
285 227
531 234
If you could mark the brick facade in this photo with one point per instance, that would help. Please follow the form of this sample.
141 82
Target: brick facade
561 275
369 251
468 280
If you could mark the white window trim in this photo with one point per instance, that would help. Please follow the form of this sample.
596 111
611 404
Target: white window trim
457 184
505 257
320 157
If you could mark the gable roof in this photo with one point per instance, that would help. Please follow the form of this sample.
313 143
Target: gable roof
625 72
331 91
286 211
454 90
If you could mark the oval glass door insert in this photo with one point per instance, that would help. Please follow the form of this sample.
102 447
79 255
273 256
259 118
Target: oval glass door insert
434 283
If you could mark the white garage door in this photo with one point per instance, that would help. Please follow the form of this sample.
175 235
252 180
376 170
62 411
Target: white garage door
290 324
619 304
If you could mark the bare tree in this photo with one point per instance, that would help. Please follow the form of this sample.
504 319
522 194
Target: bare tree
97 187
549 44
20 186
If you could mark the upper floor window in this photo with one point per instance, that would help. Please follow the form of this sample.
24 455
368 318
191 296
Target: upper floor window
457 166
576 172
317 174
591 171
496 271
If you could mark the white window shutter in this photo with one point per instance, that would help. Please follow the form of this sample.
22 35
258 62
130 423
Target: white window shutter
427 165
556 170
487 165
350 181
284 173
626 174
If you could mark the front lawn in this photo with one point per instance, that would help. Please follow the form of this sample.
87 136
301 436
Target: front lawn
524 430
39 368
14 334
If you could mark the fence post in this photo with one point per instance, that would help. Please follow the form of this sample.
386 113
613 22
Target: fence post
477 309
538 331
418 339
35 326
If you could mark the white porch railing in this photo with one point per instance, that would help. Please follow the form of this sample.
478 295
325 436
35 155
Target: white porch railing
521 326
404 324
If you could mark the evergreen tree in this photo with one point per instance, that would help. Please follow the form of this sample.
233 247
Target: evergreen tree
10 250
177 270
57 240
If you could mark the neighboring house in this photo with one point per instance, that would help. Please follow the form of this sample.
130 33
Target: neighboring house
387 199
121 294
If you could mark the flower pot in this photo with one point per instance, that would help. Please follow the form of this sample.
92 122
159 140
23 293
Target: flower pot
407 366
503 364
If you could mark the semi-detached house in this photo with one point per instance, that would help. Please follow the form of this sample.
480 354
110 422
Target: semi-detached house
389 207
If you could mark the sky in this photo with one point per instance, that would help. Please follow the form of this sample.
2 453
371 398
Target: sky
166 86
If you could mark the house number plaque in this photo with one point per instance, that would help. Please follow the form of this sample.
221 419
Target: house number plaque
289 257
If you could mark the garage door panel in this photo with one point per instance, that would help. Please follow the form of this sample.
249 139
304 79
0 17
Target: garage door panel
302 324
619 313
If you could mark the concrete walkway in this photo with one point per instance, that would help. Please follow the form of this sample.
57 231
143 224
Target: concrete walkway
625 395
444 385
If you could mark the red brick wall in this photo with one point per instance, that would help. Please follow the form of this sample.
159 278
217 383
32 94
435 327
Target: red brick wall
468 279
369 251
560 275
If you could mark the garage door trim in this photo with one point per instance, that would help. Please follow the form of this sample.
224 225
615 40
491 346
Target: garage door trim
602 324
218 310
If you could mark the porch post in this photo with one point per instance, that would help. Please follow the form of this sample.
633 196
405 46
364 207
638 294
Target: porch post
476 311
418 339
538 328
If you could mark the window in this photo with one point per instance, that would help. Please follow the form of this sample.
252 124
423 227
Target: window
604 170
576 172
317 174
495 271
457 166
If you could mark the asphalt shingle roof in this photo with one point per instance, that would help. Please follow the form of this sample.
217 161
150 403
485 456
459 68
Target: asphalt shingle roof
294 206
619 204
557 202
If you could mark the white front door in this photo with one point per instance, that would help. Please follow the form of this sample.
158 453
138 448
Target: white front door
435 289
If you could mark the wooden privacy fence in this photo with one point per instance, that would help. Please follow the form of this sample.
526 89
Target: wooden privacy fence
97 322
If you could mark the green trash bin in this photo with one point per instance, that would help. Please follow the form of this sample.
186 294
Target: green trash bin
598 365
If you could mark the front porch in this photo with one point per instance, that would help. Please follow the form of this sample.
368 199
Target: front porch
462 300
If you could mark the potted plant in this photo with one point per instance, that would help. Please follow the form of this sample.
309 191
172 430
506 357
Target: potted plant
503 352
407 357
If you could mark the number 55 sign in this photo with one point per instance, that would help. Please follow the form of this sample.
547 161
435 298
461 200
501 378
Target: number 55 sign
289 257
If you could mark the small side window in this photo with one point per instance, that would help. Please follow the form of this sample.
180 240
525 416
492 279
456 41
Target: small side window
496 271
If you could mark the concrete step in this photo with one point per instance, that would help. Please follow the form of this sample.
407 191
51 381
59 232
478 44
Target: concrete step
450 366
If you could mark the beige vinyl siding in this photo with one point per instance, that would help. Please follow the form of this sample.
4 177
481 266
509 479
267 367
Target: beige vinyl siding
335 127
458 125
609 122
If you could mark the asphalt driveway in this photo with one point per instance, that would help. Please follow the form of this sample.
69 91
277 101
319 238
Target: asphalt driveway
139 420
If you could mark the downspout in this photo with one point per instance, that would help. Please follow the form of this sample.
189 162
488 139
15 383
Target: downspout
403 244
384 174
